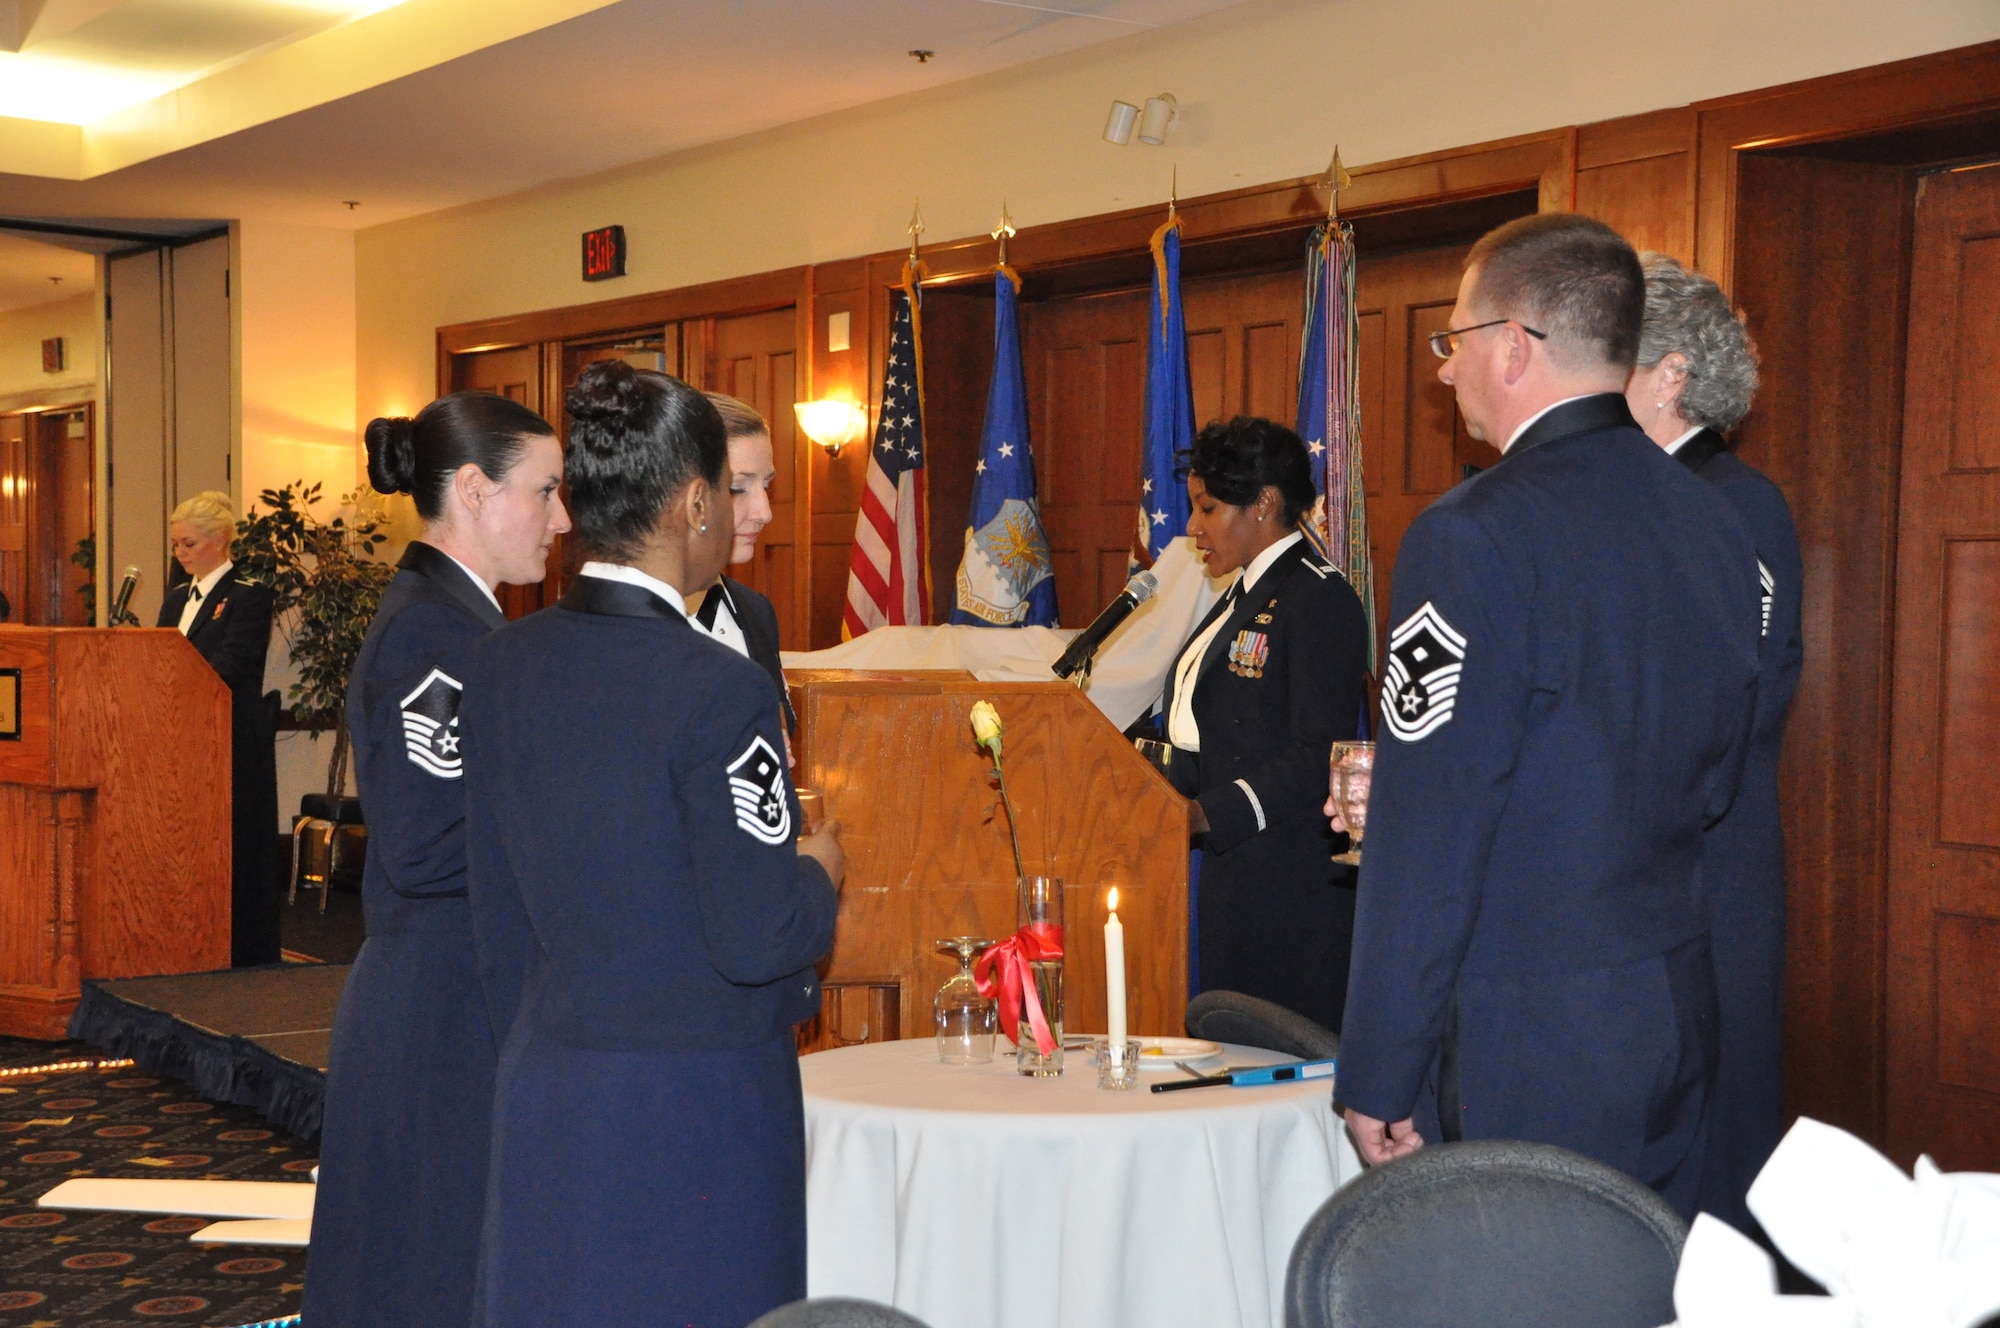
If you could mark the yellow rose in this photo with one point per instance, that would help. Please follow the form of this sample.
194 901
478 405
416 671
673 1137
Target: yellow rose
986 727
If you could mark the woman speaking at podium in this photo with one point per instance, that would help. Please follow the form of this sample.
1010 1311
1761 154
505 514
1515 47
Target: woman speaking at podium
228 620
410 1083
638 891
1267 684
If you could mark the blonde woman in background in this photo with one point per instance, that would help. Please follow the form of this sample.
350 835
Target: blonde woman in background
228 620
730 611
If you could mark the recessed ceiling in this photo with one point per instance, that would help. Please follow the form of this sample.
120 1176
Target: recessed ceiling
75 61
623 83
26 267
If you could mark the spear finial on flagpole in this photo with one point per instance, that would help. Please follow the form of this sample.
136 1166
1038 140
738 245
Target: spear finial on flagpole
916 228
1003 231
1336 179
1174 193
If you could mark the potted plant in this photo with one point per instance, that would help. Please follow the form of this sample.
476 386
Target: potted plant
325 584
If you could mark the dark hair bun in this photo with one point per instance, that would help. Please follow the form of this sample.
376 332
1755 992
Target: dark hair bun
392 454
607 392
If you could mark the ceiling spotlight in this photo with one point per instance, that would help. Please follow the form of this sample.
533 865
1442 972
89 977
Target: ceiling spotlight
1118 129
922 57
350 203
1158 115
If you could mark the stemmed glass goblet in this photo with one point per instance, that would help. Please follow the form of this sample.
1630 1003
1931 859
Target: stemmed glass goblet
966 1018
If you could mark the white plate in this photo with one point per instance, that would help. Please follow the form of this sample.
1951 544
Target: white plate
1160 1053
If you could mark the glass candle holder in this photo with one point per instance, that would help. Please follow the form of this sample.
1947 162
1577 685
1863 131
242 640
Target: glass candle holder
1117 1066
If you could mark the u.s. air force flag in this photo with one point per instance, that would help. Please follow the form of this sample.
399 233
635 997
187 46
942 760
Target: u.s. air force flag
1006 578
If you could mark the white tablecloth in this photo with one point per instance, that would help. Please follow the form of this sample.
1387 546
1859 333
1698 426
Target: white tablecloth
972 1197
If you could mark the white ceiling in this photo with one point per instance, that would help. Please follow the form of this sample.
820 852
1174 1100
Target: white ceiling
25 269
628 82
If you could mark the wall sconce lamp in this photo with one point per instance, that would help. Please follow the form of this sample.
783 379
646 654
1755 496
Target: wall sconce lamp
1151 123
832 424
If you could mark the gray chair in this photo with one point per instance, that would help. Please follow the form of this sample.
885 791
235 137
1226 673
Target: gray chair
1499 1234
834 1312
1230 1016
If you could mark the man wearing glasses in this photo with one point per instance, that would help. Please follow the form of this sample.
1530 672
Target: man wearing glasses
1566 701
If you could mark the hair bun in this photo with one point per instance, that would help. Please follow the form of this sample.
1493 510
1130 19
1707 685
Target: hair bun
606 392
392 454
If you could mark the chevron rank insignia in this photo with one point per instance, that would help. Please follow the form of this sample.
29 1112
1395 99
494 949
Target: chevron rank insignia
430 725
1420 681
1769 585
757 787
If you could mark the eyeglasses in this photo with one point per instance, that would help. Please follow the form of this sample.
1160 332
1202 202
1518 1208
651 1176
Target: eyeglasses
1445 344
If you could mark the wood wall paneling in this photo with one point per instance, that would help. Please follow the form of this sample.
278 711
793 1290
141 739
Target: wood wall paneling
1822 274
1943 985
754 357
1637 174
836 482
958 364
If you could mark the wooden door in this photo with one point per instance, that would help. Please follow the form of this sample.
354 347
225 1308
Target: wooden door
1085 365
754 358
1944 812
514 373
16 487
1413 442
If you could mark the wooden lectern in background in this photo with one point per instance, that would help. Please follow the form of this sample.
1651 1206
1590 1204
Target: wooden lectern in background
114 815
927 851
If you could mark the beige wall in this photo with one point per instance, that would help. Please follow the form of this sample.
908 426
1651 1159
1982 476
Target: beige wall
1266 89
22 332
296 309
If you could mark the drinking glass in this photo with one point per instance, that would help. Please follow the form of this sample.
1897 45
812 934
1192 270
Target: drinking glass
1041 915
966 1020
1352 768
812 808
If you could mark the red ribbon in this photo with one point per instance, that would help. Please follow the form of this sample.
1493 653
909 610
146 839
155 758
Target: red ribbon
1015 980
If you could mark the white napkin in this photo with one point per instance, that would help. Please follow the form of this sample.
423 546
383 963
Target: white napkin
1892 1252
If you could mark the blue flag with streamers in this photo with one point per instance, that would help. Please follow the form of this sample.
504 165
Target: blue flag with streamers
1169 420
1329 416
1006 577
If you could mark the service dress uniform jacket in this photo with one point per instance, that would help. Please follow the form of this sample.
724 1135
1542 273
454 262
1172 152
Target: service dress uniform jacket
403 1153
232 630
1281 681
1565 705
1743 855
648 927
758 622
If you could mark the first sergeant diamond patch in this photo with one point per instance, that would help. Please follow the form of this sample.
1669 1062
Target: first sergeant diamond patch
430 725
757 787
1420 681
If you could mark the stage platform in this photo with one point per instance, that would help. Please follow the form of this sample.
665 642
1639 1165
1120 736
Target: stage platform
257 1037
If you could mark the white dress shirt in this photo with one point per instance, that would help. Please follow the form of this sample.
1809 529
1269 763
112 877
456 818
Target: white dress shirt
198 594
725 628
1182 731
632 576
1682 441
477 580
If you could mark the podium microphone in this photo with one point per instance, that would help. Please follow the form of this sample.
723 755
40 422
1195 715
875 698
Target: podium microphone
1076 661
122 616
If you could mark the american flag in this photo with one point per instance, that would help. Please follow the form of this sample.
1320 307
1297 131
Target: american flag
888 570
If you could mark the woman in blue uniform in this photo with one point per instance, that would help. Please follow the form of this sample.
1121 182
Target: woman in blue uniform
731 612
642 907
1696 376
1267 684
410 1084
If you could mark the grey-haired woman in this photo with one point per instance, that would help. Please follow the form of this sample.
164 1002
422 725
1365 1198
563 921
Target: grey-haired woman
1696 376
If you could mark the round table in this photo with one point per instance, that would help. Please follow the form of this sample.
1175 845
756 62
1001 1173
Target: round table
973 1197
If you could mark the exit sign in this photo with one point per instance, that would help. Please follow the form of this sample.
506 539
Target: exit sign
604 253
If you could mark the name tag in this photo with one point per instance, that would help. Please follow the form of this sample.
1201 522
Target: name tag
10 705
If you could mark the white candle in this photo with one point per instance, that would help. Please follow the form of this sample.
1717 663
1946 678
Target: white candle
1114 971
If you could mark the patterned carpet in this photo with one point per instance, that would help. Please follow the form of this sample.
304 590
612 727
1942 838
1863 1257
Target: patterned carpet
122 1270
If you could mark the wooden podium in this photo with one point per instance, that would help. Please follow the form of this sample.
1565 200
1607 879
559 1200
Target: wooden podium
114 815
927 850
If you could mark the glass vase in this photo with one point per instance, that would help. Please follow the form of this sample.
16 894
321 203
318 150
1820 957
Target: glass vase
1040 916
